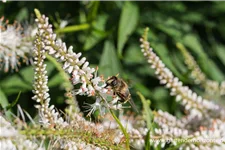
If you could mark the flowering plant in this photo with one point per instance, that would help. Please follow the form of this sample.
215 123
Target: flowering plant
203 119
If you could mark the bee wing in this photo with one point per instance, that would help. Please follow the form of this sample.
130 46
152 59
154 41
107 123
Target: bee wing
133 105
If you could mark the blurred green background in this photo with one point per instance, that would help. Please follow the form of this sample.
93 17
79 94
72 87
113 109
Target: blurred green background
108 34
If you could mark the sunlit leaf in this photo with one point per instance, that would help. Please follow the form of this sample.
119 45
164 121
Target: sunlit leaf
147 111
4 103
97 33
127 24
3 99
133 54
109 63
147 141
214 71
73 28
55 80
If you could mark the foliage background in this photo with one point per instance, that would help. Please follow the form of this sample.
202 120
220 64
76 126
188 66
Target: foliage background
108 33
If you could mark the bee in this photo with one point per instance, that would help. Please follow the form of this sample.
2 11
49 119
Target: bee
120 88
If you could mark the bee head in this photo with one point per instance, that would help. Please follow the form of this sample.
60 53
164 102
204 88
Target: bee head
112 81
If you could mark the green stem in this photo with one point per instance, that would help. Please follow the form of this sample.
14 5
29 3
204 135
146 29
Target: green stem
74 28
122 129
71 133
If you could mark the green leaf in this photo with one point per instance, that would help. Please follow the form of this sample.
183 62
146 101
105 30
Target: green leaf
163 53
93 39
178 62
214 72
55 80
109 63
161 94
3 99
219 7
145 91
14 102
193 17
62 77
220 51
192 41
97 33
122 129
133 55
127 24
171 27
147 141
147 111
93 10
21 81
23 14
4 103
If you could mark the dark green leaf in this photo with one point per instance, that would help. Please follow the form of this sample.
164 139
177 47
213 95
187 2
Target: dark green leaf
21 81
93 8
171 27
14 102
147 141
192 41
164 54
220 51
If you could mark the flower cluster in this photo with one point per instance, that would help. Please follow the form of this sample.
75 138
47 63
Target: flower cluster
192 102
49 116
204 121
78 144
211 87
135 125
15 44
78 67
90 85
190 131
11 139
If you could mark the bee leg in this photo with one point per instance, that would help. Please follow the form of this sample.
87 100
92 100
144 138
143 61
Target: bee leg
106 85
117 103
